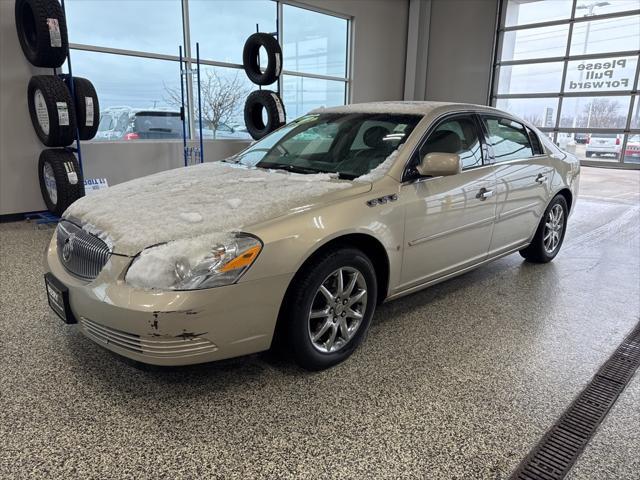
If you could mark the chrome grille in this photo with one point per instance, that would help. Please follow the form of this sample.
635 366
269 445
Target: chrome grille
158 347
81 253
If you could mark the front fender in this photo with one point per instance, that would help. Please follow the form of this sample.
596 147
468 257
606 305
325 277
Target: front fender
291 241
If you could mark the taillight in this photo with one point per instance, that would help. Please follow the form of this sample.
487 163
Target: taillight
617 140
131 136
588 139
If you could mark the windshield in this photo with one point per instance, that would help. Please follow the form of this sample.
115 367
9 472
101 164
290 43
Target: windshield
106 123
350 144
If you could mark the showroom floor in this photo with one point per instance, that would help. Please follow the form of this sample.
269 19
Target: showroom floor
458 381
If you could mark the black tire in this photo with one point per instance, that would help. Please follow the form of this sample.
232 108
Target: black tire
42 32
260 100
52 111
250 57
589 154
87 107
536 251
64 178
300 299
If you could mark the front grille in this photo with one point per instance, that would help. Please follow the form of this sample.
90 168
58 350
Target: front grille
158 347
81 253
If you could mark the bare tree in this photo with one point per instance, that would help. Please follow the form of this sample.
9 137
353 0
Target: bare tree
533 118
222 98
601 112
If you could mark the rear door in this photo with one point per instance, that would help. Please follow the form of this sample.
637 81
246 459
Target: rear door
523 174
448 220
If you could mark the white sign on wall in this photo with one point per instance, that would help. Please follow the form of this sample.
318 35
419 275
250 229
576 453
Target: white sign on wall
601 74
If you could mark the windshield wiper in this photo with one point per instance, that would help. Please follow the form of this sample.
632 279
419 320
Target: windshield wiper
289 168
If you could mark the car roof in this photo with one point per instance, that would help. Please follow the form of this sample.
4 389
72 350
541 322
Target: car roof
405 107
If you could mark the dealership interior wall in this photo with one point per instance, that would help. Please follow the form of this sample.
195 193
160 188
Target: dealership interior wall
470 378
382 35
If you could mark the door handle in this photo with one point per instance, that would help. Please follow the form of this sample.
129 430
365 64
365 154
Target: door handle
483 194
541 178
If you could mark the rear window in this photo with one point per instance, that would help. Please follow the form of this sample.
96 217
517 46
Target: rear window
158 122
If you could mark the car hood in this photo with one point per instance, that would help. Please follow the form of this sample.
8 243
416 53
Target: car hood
200 204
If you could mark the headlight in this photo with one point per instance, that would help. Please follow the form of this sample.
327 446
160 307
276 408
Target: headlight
187 265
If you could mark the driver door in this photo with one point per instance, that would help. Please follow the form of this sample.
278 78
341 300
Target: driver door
449 220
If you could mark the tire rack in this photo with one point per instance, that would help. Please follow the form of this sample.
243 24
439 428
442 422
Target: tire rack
48 218
277 35
77 150
184 76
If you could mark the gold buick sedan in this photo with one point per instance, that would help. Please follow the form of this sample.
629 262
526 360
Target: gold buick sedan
297 238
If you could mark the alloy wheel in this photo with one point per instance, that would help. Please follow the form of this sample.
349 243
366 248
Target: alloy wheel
337 309
553 226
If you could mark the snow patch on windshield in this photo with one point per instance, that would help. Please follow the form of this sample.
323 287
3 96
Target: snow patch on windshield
380 171
194 203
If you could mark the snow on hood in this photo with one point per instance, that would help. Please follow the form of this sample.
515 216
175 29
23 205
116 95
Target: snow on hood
196 204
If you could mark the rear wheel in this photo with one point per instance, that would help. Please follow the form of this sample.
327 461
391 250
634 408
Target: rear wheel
330 308
550 233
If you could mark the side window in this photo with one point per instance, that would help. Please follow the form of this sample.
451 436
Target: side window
535 142
509 139
459 136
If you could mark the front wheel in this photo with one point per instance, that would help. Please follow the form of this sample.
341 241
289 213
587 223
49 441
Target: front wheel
330 308
550 233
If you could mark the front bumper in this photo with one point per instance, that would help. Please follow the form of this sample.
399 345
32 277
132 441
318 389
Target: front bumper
172 328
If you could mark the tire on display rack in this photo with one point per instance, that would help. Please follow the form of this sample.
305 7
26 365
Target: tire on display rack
42 32
269 102
61 181
251 56
51 110
87 108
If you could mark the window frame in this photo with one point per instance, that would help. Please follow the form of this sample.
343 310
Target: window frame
490 148
409 173
189 59
574 18
539 149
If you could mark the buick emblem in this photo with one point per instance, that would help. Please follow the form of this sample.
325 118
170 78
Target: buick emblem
67 248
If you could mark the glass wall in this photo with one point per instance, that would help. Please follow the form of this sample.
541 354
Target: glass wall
129 50
570 67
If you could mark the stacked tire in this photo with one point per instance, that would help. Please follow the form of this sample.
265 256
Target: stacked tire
263 110
60 110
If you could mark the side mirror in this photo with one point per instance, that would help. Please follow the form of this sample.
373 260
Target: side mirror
439 164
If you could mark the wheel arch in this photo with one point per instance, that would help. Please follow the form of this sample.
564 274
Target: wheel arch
368 244
568 196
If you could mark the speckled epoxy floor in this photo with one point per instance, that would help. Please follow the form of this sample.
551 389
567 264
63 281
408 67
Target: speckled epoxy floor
458 381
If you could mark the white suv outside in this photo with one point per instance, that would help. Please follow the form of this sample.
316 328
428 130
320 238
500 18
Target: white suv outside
604 144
